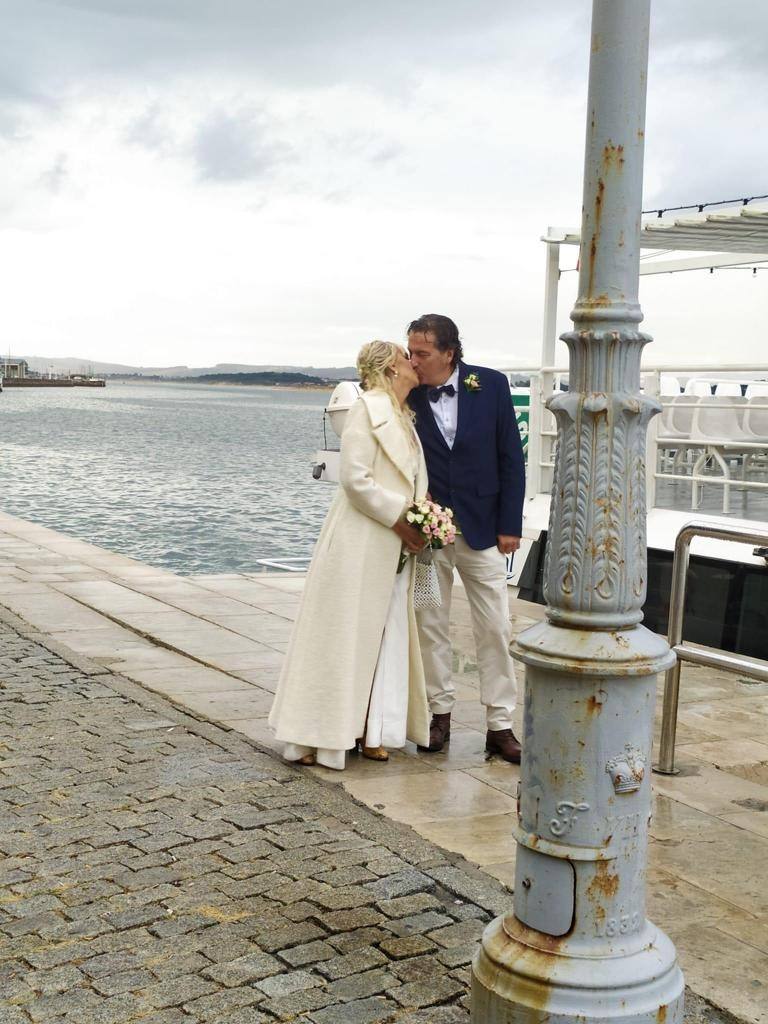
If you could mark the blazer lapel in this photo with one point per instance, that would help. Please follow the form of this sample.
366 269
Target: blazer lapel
465 409
422 406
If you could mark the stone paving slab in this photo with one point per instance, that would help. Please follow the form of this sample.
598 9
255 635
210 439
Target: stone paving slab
157 868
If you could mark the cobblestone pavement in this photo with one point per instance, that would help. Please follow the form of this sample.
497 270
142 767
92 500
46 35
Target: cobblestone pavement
156 868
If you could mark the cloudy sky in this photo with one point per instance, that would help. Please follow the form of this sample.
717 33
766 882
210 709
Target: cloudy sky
201 181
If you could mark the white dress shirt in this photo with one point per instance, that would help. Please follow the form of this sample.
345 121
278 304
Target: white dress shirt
446 410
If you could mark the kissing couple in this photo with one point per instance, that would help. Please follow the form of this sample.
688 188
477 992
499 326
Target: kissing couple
364 670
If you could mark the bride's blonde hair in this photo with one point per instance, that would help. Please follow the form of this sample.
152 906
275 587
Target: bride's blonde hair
375 362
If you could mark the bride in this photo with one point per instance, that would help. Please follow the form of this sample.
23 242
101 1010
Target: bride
353 673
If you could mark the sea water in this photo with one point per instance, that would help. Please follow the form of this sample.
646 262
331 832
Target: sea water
188 477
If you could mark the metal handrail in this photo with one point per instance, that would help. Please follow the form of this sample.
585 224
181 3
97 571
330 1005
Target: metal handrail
300 564
751 667
720 368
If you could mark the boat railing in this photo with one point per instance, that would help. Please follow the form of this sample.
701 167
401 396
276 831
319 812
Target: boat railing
714 432
752 668
718 423
300 564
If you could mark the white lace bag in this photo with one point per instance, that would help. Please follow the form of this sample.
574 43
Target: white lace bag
426 586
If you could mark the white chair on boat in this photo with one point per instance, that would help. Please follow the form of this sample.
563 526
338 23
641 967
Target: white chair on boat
756 418
728 389
755 427
675 429
666 436
717 425
666 426
698 388
719 420
669 386
683 409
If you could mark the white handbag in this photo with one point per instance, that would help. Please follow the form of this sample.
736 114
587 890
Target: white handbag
426 586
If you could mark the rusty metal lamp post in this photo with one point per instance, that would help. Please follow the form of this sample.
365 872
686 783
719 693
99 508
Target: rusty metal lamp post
578 946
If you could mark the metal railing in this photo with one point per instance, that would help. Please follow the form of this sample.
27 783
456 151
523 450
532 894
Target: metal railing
542 435
754 668
285 564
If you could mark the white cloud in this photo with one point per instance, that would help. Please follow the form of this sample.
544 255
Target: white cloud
189 182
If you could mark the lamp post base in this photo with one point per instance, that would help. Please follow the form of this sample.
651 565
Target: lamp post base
520 976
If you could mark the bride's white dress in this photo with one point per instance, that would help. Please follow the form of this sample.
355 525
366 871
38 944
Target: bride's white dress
388 709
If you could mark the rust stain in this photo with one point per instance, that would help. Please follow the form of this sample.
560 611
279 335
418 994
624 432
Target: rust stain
600 300
603 885
533 956
592 255
596 235
613 156
597 43
594 706
536 942
661 1014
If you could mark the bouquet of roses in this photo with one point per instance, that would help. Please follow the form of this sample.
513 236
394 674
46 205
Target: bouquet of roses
434 522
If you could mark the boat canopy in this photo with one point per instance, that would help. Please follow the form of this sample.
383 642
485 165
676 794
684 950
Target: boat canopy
730 239
741 231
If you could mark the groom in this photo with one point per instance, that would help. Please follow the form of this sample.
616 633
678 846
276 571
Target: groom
468 429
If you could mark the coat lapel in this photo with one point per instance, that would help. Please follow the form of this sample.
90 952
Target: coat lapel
389 432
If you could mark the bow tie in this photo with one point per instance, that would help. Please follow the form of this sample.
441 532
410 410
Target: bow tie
434 393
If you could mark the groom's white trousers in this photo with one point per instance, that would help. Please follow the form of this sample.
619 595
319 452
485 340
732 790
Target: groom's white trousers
483 574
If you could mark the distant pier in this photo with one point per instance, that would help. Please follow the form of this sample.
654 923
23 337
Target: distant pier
53 382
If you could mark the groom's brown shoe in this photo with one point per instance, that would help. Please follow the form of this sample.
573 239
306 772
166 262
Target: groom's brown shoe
504 743
439 733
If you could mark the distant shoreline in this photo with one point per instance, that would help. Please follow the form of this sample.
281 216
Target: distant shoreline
223 383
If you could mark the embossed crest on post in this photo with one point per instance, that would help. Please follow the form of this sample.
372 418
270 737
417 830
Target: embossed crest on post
627 769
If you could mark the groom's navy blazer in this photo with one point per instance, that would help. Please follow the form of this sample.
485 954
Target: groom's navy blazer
482 478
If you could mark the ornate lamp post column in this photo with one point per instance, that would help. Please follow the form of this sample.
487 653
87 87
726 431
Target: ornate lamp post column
578 946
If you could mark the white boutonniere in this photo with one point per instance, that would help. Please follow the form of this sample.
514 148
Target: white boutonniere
472 382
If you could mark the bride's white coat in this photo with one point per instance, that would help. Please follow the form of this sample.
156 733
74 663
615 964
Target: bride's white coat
325 685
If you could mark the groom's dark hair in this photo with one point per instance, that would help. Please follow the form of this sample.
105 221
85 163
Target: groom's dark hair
445 331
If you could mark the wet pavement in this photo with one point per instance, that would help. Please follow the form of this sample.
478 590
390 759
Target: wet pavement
210 648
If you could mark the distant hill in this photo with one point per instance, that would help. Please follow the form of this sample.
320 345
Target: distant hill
74 364
264 379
